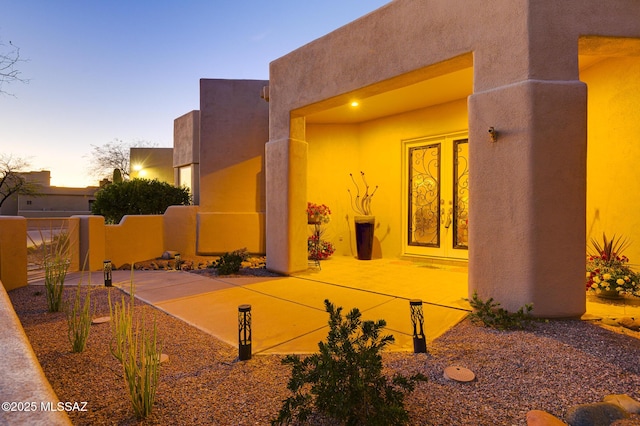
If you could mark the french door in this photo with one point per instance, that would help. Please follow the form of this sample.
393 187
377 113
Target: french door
436 196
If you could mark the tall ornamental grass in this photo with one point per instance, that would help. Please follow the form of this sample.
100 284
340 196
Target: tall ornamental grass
138 351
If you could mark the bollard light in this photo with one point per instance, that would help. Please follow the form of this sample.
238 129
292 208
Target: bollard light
244 332
417 321
106 269
178 261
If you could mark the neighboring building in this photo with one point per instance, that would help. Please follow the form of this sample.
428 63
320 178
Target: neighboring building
186 153
51 201
474 120
152 163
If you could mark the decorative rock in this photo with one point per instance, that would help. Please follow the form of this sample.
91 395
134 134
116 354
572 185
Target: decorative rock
630 323
459 374
169 254
100 320
611 321
599 413
542 418
624 401
164 358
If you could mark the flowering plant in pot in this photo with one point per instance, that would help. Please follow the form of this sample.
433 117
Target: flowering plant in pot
318 213
365 221
318 248
608 271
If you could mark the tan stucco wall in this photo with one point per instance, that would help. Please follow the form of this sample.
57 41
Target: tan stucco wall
180 229
234 123
613 153
134 239
374 147
92 242
525 59
13 252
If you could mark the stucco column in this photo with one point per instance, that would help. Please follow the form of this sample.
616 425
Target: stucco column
286 181
528 189
13 251
92 242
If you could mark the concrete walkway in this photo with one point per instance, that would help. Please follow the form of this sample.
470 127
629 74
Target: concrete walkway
288 314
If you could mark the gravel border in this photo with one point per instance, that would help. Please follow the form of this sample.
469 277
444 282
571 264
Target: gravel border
555 365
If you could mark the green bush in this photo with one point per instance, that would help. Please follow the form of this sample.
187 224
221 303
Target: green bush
230 263
344 381
136 197
492 315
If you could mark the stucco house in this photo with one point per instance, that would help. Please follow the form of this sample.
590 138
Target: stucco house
520 117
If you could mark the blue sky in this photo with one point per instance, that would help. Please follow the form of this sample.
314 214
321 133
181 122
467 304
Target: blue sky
106 70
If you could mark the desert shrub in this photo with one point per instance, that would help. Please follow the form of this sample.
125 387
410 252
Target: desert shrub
138 352
56 260
79 320
490 314
230 263
344 381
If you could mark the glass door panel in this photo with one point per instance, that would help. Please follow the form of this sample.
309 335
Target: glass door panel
436 201
424 195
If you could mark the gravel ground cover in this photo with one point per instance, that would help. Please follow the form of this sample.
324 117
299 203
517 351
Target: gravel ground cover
551 367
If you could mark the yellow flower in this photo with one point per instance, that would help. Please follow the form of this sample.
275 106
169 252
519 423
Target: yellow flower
606 277
596 279
619 281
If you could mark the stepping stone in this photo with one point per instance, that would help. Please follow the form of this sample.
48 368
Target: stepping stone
459 374
599 413
100 320
542 418
624 401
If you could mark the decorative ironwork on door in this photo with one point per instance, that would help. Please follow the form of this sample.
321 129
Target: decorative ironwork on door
461 193
424 195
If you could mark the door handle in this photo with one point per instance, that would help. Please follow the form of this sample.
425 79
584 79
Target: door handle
447 223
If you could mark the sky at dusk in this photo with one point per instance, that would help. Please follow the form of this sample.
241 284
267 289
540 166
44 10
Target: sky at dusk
105 70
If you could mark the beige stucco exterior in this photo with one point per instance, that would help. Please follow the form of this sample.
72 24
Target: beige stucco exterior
13 252
528 189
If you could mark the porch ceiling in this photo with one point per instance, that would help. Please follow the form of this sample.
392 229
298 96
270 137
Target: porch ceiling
434 91
446 88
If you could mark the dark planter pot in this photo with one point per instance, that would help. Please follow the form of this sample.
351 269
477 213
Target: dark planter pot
364 236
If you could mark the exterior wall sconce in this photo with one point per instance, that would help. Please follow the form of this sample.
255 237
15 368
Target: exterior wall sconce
178 261
244 332
106 269
493 134
417 321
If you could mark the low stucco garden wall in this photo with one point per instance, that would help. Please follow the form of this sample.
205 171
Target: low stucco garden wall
22 379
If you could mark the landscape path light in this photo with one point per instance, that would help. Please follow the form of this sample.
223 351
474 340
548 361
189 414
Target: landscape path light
244 332
106 269
417 321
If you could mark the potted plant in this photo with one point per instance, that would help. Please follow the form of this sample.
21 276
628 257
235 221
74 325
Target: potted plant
317 215
608 272
364 221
